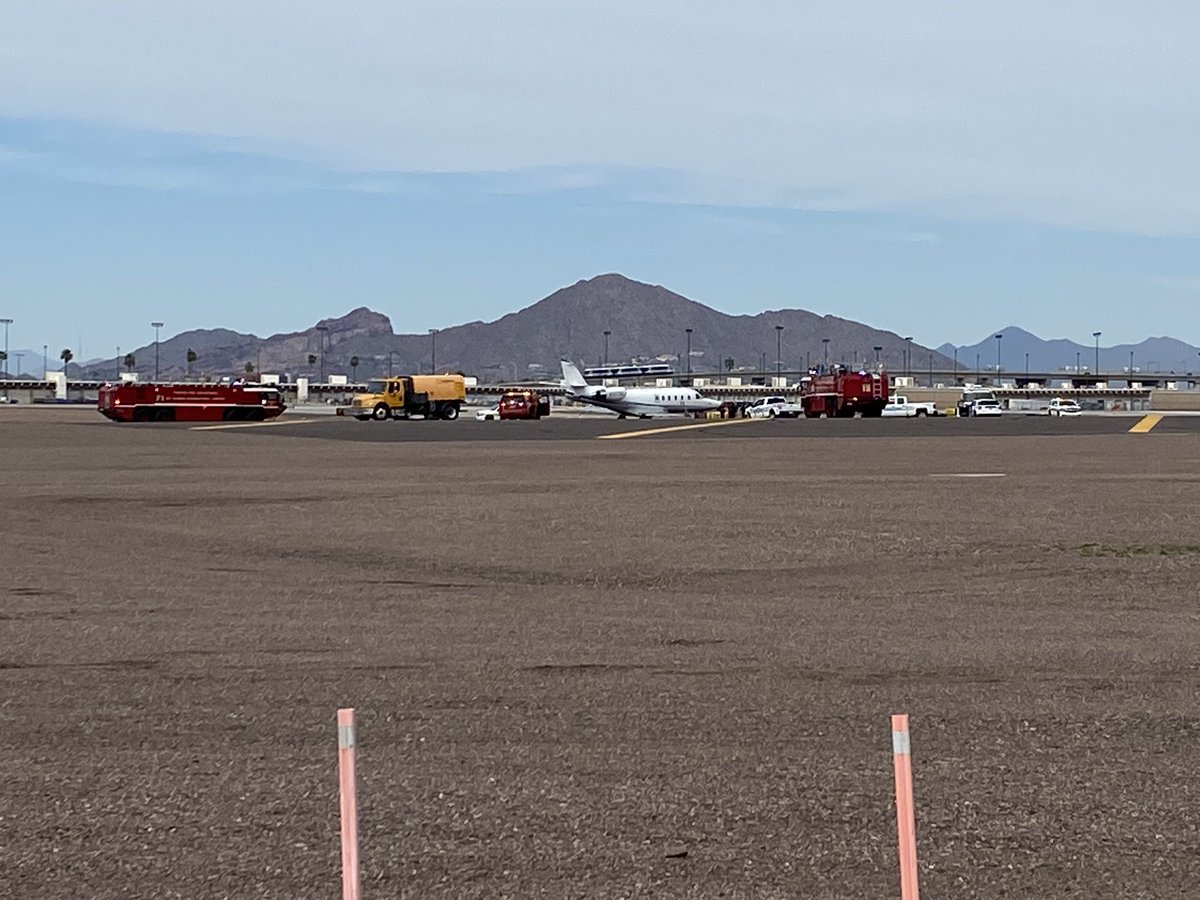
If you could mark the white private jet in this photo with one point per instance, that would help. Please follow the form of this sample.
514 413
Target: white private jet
643 402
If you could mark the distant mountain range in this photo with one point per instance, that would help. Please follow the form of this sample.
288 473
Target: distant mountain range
1021 351
643 323
611 319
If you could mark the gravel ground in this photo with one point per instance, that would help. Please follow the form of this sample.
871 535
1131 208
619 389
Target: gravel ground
595 669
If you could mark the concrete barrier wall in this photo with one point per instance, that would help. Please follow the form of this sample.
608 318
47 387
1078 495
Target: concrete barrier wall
1175 401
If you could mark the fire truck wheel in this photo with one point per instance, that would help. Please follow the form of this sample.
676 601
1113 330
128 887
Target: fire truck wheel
450 412
381 412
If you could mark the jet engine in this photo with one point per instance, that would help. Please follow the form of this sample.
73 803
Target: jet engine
609 393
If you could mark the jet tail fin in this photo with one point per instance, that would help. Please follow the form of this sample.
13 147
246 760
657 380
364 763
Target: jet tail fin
573 379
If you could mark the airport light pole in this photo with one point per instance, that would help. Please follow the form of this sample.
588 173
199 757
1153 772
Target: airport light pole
6 322
908 356
1096 335
998 338
46 362
606 336
322 330
18 356
156 326
1026 363
877 350
433 351
1131 367
1077 369
778 350
688 332
825 341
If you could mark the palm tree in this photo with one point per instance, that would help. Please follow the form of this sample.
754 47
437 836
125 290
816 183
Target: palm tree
191 358
129 362
66 356
354 368
312 359
249 367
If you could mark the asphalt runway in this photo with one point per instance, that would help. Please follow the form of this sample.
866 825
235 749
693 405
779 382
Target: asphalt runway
577 428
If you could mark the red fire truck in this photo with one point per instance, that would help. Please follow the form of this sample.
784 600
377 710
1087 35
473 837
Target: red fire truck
841 393
523 404
132 402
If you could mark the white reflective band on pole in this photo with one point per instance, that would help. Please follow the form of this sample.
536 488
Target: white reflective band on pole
345 736
900 742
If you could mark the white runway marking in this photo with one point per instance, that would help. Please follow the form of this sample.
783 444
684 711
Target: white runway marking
273 423
716 423
968 475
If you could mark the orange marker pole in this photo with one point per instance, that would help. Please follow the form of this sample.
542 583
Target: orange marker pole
349 803
906 825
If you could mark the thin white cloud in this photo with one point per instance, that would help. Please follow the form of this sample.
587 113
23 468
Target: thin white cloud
1178 284
13 155
914 237
740 224
1068 114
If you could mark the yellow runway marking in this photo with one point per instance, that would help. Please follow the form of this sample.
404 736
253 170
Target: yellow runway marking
649 431
1145 424
271 424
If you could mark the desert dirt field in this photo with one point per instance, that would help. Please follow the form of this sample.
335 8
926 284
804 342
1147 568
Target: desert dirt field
596 669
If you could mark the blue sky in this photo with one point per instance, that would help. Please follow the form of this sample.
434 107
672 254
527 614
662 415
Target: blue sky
937 169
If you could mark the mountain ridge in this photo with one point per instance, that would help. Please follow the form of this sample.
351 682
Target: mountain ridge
644 322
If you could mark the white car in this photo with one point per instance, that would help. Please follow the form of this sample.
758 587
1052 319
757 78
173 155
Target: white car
774 407
986 408
1060 407
492 413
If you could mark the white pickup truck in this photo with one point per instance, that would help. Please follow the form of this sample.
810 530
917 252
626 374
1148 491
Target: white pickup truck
1060 407
774 407
899 406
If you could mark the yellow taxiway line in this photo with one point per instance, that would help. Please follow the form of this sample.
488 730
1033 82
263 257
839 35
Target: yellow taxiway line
1145 424
649 431
272 424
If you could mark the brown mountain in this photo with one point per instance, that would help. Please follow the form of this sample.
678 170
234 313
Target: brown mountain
645 322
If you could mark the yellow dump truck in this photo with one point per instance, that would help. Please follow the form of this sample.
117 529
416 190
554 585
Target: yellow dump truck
431 396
